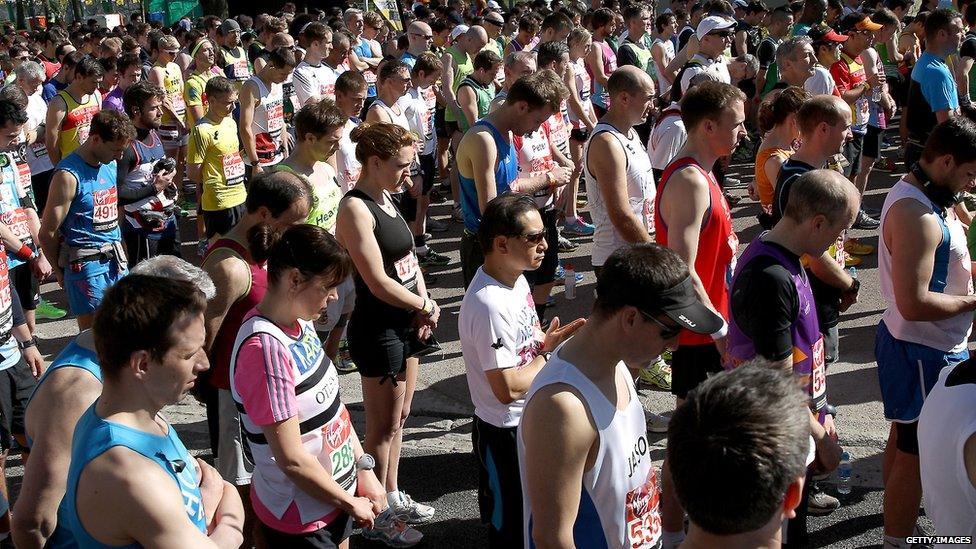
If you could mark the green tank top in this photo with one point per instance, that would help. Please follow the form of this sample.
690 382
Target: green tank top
463 66
644 59
325 202
484 94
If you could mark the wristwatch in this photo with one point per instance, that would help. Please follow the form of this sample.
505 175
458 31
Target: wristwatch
24 345
855 286
365 463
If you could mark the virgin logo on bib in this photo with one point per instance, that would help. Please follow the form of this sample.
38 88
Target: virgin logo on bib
233 166
642 514
105 213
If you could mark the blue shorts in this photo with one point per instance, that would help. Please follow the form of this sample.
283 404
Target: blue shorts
86 287
907 372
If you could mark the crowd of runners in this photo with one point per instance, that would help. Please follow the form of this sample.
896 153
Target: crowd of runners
310 146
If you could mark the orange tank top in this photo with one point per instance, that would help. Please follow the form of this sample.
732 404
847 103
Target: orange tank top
765 187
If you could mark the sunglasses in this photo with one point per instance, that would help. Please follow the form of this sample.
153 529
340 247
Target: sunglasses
667 332
723 34
425 36
534 238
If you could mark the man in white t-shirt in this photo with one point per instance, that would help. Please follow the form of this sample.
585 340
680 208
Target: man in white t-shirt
350 95
311 77
504 348
667 137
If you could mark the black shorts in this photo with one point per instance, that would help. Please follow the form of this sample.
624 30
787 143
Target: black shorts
852 152
472 256
428 172
907 437
222 221
581 134
440 127
28 290
499 482
546 272
406 205
691 365
42 185
334 533
872 143
141 245
17 384
380 351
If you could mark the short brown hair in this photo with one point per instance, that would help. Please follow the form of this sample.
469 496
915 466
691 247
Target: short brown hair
817 110
137 314
138 94
111 125
539 90
380 139
318 118
707 101
350 81
427 63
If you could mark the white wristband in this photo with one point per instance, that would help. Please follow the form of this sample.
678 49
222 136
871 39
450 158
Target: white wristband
722 332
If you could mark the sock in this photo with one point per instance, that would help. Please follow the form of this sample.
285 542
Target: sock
421 250
670 540
419 241
540 309
570 220
891 542
393 498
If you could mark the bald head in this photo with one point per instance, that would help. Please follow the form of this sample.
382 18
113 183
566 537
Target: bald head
629 79
820 109
823 192
282 40
475 39
419 37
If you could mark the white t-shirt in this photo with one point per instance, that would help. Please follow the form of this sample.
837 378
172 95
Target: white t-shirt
347 167
312 81
719 67
667 137
343 305
821 83
498 328
418 106
36 153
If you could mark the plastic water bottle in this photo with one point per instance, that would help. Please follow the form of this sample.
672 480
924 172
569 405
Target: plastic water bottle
852 271
569 277
844 474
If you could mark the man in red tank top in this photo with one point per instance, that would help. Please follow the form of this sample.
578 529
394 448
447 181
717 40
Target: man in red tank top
692 218
280 199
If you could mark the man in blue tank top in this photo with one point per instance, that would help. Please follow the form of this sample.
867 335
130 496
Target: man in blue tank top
80 225
487 162
69 387
133 483
584 458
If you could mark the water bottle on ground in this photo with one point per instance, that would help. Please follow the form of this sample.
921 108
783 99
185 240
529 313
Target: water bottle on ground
569 277
844 474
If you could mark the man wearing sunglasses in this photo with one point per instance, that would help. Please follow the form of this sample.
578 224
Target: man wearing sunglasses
773 311
584 458
504 348
715 34
419 39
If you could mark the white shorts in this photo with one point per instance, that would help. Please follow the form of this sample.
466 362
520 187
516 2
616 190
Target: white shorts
232 464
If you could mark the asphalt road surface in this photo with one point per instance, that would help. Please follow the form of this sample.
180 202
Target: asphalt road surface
438 467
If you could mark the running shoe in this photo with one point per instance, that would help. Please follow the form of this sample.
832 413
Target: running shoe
854 246
657 375
436 226
656 423
885 164
47 311
866 222
393 532
344 361
851 260
561 275
436 197
567 245
433 259
578 227
408 510
581 203
821 503
732 199
456 215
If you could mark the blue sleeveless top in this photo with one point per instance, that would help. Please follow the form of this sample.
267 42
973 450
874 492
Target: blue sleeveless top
72 356
363 50
93 217
100 436
506 171
12 213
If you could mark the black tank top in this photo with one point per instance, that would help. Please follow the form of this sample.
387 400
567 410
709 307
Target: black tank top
399 263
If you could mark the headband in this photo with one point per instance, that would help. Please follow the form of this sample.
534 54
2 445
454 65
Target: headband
193 52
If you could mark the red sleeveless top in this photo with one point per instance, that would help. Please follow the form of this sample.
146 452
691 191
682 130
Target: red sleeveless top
223 345
717 244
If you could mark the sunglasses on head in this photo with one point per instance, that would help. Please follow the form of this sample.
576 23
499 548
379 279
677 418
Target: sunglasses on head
667 332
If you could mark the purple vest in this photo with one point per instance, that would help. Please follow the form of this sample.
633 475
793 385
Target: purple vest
808 345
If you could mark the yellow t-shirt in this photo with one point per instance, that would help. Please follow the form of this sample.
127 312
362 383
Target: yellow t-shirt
173 86
216 148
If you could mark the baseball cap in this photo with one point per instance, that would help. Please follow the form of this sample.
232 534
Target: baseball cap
229 26
713 23
680 303
826 34
740 4
492 4
457 31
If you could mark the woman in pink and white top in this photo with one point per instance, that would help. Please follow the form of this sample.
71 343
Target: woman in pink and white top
311 477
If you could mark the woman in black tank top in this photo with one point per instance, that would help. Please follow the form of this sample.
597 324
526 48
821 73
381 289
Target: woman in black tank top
393 315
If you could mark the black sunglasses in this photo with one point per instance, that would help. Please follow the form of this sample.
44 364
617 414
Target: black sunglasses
534 238
667 332
723 34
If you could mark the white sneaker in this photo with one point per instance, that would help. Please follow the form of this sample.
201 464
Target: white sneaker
656 423
387 528
408 510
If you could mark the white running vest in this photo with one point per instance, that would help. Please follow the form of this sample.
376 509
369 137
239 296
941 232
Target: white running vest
619 503
640 192
324 422
268 121
951 275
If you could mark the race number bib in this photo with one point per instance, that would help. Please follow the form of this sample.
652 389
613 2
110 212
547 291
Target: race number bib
105 211
406 267
233 166
83 130
23 177
241 70
642 516
179 105
16 221
39 150
369 76
339 445
276 117
818 378
327 90
6 297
